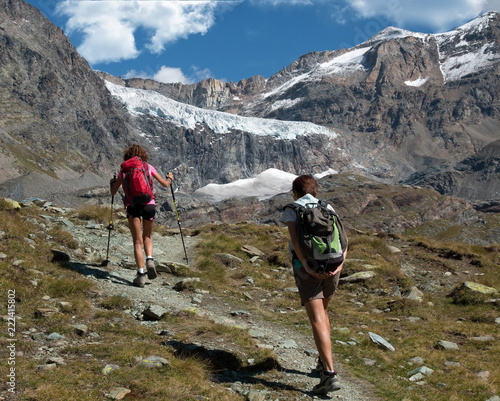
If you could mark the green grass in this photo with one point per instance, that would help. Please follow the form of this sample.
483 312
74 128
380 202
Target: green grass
353 306
360 307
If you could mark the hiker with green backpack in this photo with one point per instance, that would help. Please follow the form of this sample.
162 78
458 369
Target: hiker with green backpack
136 178
318 247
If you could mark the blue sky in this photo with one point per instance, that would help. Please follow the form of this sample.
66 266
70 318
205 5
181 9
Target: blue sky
190 40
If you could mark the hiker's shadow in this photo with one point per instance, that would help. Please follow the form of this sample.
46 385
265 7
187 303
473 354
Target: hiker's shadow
226 367
91 270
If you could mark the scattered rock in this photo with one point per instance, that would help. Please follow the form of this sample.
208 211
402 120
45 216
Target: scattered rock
54 337
380 341
359 276
186 284
154 361
471 293
393 249
154 312
415 294
81 329
118 393
252 251
229 260
109 368
446 345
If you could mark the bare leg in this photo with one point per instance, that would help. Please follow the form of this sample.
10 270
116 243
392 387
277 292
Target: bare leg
135 226
320 323
147 232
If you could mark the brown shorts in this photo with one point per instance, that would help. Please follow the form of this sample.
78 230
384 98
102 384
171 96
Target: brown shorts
312 288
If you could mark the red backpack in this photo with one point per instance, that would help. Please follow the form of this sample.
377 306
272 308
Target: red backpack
137 182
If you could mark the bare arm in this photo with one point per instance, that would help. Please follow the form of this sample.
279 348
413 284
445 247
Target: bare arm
167 181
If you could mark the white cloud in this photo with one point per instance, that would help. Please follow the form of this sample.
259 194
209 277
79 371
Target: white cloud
109 28
169 74
172 75
439 15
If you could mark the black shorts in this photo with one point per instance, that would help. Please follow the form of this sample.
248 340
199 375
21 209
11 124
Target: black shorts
147 212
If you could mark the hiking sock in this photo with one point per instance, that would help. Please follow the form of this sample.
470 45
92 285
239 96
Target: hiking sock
141 271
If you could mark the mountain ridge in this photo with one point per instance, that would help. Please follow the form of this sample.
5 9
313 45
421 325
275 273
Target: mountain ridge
61 123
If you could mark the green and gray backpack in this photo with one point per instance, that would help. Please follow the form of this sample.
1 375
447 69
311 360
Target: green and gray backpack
321 234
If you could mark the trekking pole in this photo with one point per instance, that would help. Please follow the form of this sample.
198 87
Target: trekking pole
110 227
178 220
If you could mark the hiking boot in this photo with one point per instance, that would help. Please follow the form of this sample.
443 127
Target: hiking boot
319 366
150 265
327 382
140 280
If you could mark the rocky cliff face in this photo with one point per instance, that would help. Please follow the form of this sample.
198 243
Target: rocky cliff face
404 104
57 119
412 102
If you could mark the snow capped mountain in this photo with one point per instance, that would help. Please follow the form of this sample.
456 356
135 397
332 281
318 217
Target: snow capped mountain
456 56
139 101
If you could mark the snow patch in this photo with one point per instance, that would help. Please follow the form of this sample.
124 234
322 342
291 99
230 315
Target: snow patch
456 67
285 104
330 171
265 185
417 82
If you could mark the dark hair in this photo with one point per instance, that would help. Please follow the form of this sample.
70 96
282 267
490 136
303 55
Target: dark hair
135 150
305 184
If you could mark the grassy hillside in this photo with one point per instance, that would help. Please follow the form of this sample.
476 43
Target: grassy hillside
43 295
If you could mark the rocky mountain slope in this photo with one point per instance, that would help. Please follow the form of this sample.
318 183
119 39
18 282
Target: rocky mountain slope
403 102
401 106
58 122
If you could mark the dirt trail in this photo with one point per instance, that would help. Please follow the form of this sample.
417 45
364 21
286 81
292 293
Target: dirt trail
297 361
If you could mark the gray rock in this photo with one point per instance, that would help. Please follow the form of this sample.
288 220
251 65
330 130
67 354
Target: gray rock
154 312
424 370
118 393
54 337
446 345
109 368
483 338
288 344
154 361
81 329
252 251
359 276
255 333
186 283
254 395
415 294
380 341
229 260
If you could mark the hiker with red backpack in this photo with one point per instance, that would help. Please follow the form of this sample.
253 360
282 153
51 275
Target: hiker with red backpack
316 273
136 178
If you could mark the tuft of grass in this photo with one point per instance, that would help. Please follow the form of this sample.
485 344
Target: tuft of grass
96 213
116 302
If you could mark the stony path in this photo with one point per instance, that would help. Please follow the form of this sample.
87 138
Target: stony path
292 349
